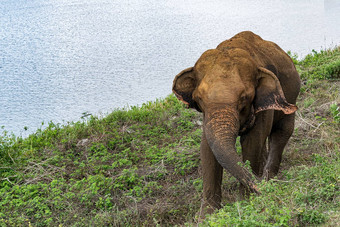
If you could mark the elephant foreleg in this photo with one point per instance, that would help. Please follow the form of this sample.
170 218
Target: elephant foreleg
281 132
212 178
253 143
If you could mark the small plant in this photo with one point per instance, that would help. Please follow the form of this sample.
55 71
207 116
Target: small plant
311 216
308 102
293 56
335 111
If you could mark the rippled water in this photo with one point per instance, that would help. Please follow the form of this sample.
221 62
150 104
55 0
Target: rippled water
61 58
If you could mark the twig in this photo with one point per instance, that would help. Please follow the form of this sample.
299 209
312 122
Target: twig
317 127
238 210
5 167
277 180
6 178
299 115
11 158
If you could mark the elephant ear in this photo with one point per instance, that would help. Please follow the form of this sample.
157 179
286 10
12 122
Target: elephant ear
269 94
183 86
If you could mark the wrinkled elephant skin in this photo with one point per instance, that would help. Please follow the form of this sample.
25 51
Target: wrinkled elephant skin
245 87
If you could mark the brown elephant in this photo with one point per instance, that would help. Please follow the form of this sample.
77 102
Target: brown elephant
245 87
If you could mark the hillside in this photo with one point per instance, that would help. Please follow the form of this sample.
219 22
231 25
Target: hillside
141 166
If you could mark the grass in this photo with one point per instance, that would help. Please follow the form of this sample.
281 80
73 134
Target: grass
132 167
140 167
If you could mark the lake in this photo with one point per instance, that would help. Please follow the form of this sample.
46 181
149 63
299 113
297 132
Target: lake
60 59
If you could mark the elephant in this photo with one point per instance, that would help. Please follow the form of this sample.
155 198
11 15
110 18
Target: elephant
244 87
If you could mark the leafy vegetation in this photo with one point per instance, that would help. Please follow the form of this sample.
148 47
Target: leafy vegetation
141 167
319 65
132 167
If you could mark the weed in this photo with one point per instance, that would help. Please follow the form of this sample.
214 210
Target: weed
335 111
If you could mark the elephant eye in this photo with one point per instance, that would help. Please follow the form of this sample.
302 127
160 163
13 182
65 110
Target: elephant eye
243 104
243 110
198 102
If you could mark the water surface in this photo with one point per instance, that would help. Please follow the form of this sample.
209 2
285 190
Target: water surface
61 58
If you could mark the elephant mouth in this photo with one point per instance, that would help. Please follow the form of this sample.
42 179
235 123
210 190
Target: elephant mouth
249 123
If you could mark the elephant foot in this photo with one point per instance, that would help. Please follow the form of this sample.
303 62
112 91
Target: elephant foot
244 192
267 174
206 209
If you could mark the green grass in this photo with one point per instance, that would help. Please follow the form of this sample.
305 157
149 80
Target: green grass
141 167
129 168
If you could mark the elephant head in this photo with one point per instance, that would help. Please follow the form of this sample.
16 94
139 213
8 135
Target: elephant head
230 88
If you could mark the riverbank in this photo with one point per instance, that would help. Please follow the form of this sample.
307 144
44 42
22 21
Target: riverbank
141 166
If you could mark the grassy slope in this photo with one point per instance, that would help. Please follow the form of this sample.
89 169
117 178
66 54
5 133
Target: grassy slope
141 167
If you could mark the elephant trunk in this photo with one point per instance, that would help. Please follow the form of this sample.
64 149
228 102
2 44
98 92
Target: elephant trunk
221 129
